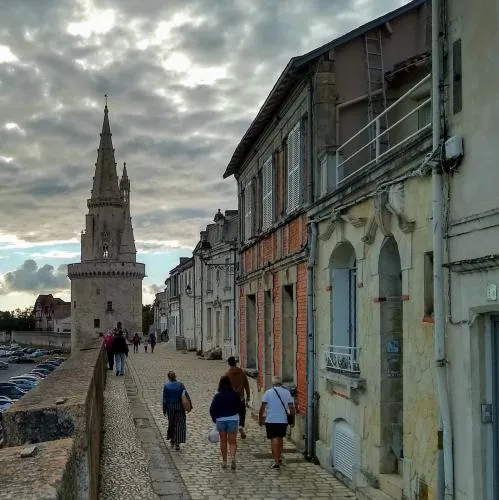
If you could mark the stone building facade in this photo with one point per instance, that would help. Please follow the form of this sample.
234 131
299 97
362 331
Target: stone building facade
106 286
160 307
52 314
216 263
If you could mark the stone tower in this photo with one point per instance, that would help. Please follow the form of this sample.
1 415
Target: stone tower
106 286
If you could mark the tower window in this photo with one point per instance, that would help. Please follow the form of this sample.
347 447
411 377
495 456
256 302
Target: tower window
96 323
106 251
109 306
97 292
74 304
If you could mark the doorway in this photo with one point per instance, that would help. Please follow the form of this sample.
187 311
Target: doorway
268 347
251 337
288 334
217 329
391 339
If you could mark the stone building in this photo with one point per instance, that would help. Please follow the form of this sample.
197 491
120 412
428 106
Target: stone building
51 312
469 150
335 248
160 312
215 271
106 286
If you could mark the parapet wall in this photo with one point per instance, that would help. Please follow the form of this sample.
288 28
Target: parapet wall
62 417
38 338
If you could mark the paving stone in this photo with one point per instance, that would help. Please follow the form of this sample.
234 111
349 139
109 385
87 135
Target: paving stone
198 462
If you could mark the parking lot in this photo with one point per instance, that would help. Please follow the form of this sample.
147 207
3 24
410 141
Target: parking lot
15 369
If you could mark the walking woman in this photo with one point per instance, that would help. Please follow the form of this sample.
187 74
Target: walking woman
224 411
174 410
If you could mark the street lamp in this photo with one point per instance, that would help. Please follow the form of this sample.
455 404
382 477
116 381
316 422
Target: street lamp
188 290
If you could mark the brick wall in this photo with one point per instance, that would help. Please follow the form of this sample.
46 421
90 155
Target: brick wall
301 338
277 325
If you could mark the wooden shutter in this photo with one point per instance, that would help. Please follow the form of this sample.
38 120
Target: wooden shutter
267 193
294 167
248 205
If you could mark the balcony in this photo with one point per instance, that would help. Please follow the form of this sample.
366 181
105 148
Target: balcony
399 125
342 360
340 367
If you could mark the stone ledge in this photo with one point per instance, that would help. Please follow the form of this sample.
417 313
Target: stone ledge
78 386
352 386
48 474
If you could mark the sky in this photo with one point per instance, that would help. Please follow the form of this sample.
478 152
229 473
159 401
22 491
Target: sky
185 78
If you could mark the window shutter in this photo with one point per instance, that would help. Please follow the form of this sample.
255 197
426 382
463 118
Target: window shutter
248 204
267 193
294 166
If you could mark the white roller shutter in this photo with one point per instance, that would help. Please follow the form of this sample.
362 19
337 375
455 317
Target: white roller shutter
294 167
344 449
267 195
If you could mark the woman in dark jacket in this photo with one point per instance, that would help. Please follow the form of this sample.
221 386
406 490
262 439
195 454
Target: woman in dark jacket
173 408
224 411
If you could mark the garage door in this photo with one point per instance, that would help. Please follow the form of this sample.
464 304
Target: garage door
343 448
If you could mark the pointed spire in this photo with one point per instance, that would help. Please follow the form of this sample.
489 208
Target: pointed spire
105 179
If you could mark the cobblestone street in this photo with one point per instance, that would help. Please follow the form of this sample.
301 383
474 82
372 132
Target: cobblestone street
198 461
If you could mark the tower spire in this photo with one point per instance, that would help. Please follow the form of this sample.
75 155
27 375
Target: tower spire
105 185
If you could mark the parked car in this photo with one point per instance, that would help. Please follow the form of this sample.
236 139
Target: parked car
5 398
41 374
47 366
5 405
24 384
11 390
27 376
24 359
3 365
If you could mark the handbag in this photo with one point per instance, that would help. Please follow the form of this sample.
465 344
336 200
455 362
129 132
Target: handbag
186 402
291 417
213 435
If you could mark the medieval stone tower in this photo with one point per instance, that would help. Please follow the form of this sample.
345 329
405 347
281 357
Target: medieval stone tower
106 287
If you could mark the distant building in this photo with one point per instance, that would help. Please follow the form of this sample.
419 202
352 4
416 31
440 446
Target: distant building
160 312
52 314
106 287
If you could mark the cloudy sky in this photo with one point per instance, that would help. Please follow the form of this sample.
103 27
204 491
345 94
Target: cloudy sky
184 77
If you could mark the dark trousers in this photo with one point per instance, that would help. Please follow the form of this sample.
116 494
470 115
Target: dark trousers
110 358
242 413
135 347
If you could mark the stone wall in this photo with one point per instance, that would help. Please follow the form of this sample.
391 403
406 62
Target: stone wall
34 338
62 417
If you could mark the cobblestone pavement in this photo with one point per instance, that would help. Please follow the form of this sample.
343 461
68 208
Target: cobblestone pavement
198 462
124 468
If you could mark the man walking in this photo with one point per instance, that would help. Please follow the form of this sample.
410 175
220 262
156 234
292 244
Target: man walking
240 384
277 411
120 350
136 342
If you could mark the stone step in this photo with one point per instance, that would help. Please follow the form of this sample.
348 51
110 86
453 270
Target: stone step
392 485
369 493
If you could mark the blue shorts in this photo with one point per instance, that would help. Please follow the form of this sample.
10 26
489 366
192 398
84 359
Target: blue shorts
227 425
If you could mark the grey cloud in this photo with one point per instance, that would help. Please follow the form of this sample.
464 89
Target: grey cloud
176 137
30 277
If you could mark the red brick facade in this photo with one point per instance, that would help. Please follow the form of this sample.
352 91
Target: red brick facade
285 242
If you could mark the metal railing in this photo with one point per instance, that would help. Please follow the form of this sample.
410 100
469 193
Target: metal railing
342 359
379 134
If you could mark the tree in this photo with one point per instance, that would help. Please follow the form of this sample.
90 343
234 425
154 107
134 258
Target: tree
18 320
147 318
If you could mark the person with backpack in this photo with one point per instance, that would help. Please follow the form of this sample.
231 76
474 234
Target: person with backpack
120 350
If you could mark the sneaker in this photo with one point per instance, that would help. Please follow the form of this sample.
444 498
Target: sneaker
242 432
279 461
117 373
224 465
275 465
233 465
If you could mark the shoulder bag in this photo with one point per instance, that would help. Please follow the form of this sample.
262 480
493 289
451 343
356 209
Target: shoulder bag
291 417
186 401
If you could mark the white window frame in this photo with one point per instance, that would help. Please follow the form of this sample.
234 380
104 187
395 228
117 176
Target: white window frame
294 168
248 211
267 193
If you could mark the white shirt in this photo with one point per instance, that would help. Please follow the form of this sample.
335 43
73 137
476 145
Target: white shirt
275 409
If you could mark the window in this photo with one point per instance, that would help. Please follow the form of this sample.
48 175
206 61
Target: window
74 304
209 280
227 323
109 306
209 324
457 83
428 284
96 323
227 273
97 291
248 211
294 168
267 193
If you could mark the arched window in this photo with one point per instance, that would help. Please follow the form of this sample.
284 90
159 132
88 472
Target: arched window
106 250
343 324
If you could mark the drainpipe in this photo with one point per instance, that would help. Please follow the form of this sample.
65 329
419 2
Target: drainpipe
445 465
311 357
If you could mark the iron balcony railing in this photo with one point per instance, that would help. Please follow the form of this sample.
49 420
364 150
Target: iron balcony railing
381 136
342 359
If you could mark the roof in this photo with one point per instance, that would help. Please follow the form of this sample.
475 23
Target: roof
294 70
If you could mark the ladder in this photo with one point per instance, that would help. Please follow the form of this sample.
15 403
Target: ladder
376 89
